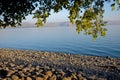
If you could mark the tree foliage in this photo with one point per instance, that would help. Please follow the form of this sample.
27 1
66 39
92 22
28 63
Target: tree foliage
87 15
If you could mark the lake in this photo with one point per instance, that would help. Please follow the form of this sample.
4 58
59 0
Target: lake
62 39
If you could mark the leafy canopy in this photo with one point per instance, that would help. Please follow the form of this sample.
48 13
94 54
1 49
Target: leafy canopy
87 15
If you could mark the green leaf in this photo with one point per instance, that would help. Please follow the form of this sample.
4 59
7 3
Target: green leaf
113 6
117 2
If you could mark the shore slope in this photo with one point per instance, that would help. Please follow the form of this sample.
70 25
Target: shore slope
38 65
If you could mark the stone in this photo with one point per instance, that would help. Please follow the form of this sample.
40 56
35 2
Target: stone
101 79
37 67
74 76
28 78
66 78
52 69
3 73
25 69
30 65
37 73
53 77
46 67
82 78
45 77
0 55
8 79
79 75
22 78
49 73
39 78
5 63
4 79
92 77
15 77
10 73
12 65
21 73
62 73
32 69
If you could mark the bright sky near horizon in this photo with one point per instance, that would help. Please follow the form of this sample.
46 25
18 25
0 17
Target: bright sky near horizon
62 16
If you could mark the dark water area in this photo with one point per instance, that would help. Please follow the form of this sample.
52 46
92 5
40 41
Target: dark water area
62 39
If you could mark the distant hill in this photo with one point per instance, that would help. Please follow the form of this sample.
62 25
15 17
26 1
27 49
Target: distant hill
48 24
62 24
117 22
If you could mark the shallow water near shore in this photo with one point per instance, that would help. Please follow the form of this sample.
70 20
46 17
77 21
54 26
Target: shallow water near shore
62 39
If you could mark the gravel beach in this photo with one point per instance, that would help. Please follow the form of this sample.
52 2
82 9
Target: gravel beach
39 65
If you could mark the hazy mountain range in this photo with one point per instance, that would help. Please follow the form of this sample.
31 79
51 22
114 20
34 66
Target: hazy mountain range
63 24
48 24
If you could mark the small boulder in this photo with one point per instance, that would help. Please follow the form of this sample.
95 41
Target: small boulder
28 78
66 78
49 73
3 73
39 78
15 77
10 73
53 77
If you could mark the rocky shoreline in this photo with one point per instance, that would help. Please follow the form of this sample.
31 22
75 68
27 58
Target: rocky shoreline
38 65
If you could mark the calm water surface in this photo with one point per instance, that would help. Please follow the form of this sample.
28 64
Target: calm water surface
62 39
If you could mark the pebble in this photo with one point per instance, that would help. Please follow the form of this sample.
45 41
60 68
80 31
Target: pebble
48 73
15 77
74 76
39 78
53 77
34 67
25 69
66 78
12 65
3 73
28 78
45 77
92 77
10 72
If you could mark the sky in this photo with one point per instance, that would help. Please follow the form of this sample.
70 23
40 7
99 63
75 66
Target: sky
111 15
62 16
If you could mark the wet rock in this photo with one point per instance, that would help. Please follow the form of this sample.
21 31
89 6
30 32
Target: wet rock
108 57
